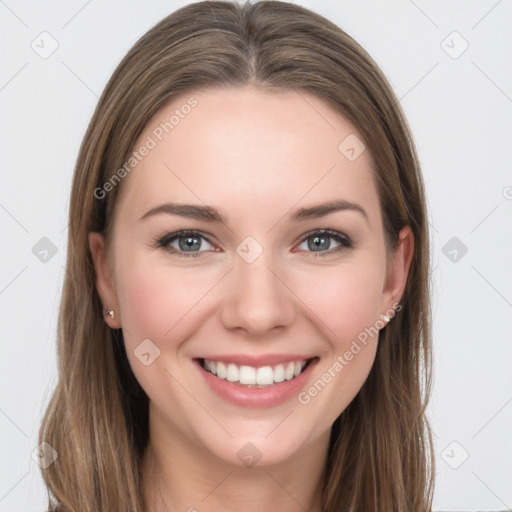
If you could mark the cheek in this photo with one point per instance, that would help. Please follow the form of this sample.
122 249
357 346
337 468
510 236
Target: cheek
156 301
160 304
348 303
347 299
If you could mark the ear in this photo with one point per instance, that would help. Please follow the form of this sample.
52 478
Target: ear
104 281
397 271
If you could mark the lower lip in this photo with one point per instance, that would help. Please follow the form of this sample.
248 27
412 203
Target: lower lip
254 397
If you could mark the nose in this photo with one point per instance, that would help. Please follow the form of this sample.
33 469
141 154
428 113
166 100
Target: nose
257 298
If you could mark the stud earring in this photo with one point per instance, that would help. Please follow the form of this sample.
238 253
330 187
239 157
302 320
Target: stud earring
108 312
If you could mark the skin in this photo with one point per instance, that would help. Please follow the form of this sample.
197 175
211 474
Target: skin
256 157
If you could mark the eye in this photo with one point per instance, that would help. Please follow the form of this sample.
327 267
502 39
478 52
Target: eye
321 242
194 243
185 243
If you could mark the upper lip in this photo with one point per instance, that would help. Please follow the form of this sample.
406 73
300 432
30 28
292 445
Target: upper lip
258 361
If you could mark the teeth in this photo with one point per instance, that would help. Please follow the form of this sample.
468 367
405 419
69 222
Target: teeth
264 376
250 376
289 372
279 373
221 370
247 375
232 373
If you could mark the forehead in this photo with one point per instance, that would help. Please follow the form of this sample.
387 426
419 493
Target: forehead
248 149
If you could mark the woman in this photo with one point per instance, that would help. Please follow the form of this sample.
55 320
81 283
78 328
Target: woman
245 321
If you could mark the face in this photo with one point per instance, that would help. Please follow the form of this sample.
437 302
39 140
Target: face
279 257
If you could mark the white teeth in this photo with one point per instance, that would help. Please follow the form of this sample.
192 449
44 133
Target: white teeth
247 375
290 369
221 370
232 373
279 373
265 376
250 376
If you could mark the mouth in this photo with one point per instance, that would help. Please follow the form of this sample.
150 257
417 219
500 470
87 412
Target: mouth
259 377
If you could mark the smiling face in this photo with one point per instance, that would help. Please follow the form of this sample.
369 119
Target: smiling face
255 279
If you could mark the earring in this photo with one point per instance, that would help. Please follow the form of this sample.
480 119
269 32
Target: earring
108 312
385 318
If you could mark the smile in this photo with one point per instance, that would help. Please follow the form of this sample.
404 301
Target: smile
255 377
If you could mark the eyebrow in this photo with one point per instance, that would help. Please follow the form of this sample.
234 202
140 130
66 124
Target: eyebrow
320 210
210 214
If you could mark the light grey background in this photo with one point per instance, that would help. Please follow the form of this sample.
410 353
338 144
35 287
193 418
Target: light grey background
459 106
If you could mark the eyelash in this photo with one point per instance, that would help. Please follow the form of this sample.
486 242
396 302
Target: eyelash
344 241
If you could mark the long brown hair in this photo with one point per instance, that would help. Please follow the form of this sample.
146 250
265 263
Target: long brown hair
380 453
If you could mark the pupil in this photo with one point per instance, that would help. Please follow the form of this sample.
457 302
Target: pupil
191 242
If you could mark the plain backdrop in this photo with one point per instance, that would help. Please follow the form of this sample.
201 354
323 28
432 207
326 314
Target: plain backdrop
449 63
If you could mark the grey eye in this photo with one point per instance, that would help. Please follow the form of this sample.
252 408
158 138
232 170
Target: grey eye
190 243
322 242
